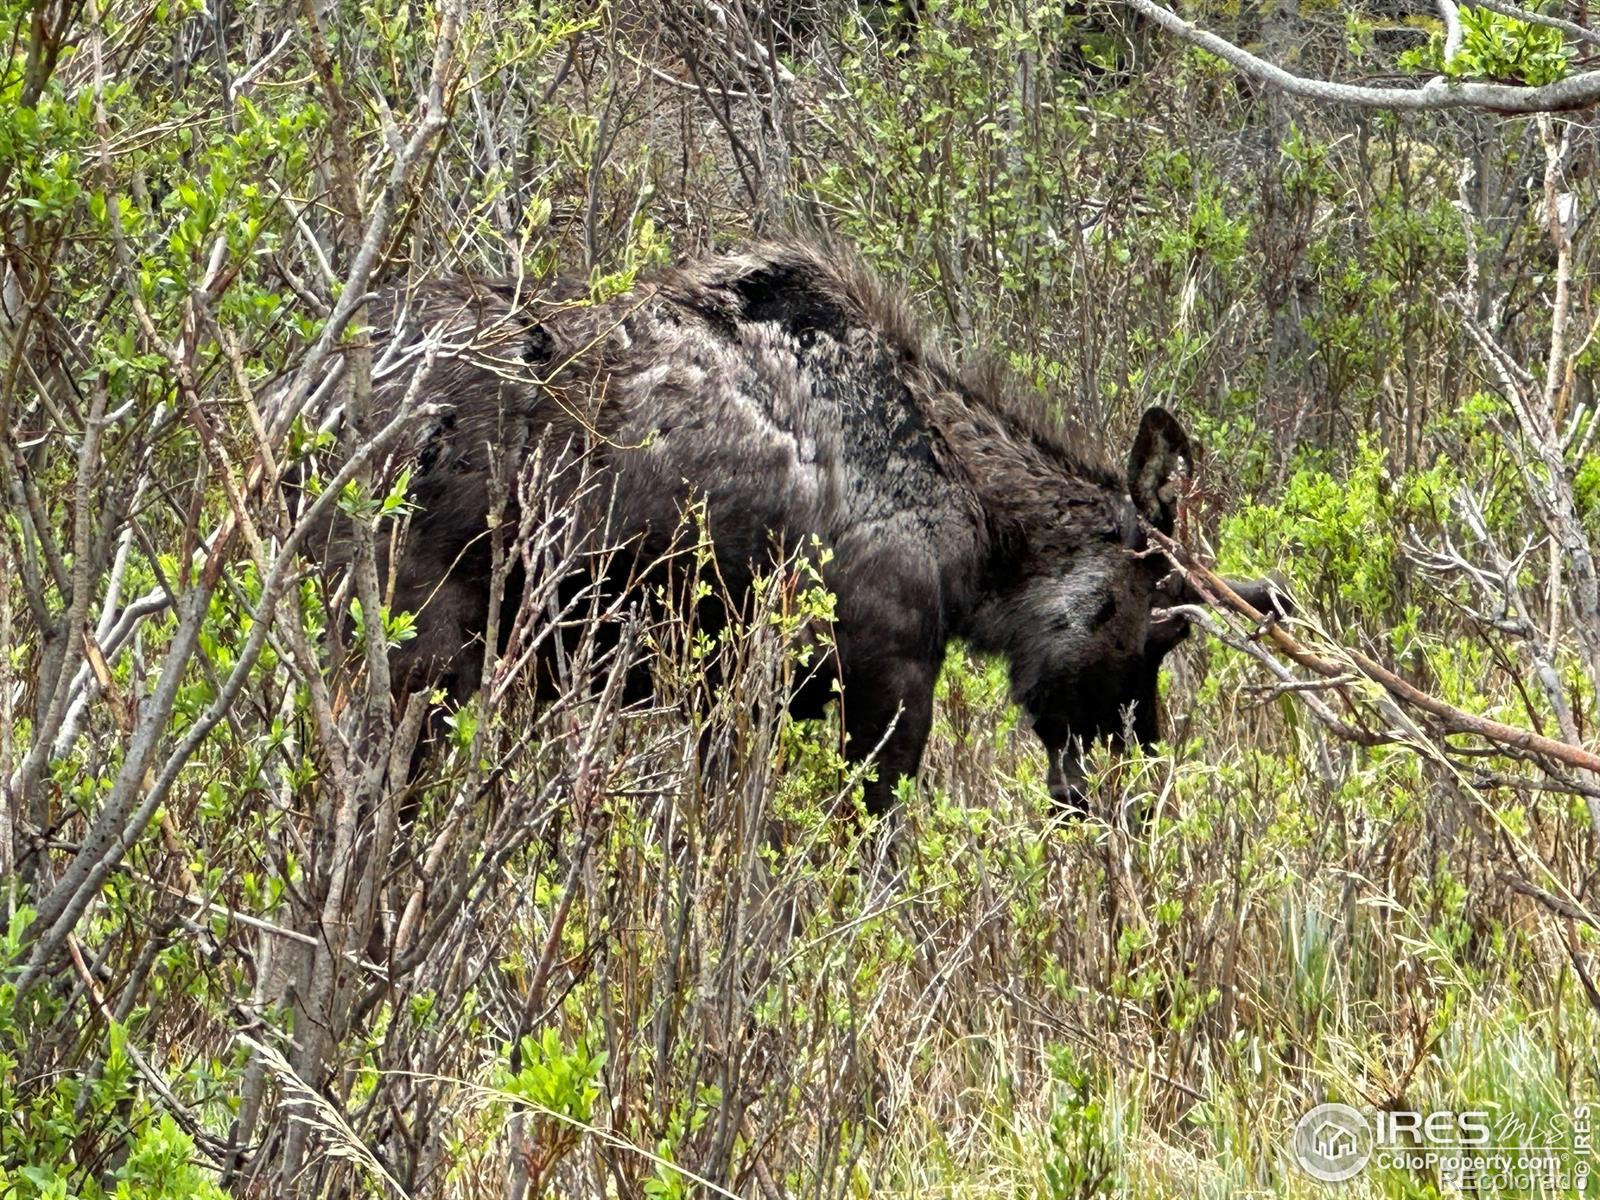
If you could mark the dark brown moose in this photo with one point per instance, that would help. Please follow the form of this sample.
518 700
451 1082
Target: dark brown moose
789 390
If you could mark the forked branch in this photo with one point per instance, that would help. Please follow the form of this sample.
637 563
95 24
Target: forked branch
1524 743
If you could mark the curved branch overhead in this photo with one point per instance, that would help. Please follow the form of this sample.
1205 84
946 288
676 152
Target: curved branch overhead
1575 92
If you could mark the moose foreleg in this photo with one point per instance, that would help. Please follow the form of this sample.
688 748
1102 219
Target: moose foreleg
890 642
888 708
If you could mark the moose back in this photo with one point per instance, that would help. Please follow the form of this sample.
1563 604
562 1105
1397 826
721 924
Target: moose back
785 389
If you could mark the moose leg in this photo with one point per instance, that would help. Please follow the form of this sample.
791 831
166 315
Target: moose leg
893 696
890 644
447 650
1066 778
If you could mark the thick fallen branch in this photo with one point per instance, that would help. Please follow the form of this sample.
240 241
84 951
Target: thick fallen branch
1574 92
1451 719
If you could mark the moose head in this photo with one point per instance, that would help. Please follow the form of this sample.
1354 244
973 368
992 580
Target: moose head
1093 613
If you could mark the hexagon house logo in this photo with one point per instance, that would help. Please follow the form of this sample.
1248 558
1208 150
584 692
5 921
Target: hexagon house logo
1332 1142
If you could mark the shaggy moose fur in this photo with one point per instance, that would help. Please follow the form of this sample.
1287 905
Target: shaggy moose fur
788 390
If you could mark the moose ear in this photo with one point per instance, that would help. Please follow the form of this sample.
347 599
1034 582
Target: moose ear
1156 465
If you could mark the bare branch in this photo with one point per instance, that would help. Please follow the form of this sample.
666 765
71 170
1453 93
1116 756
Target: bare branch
1575 92
1451 719
1451 15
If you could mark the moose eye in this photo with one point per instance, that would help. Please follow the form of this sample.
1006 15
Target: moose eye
1107 610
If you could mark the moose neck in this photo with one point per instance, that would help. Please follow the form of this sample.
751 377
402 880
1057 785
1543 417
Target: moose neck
1043 499
1038 480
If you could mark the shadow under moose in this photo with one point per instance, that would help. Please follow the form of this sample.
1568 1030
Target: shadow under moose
789 396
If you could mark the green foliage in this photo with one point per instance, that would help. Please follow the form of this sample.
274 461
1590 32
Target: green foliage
687 1120
1339 537
396 627
43 1130
1498 48
1083 1158
161 1166
393 504
555 1080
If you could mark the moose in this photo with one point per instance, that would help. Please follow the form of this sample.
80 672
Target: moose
785 389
